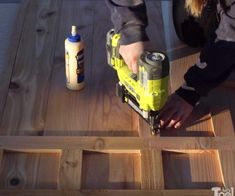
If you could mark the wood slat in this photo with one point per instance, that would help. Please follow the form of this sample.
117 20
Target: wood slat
227 161
27 99
70 169
151 170
9 51
177 192
71 117
128 144
105 107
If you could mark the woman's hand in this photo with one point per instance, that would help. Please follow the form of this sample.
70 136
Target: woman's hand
132 52
175 112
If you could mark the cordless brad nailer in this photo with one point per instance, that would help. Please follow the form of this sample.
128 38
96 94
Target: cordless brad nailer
147 91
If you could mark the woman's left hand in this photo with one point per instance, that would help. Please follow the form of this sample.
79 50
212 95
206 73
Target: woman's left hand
175 112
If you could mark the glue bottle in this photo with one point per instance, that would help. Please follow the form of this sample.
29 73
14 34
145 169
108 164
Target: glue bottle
74 60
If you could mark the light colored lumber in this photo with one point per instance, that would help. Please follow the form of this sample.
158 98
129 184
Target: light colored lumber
95 110
70 169
111 170
184 170
191 192
107 112
27 100
118 144
29 170
11 31
227 161
72 114
151 170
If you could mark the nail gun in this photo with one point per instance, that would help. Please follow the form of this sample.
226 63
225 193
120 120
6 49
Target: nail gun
147 91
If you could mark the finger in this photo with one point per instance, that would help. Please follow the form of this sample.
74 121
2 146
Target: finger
181 121
175 119
135 68
166 117
178 125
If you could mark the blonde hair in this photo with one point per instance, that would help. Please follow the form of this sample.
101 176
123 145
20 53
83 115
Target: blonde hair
195 7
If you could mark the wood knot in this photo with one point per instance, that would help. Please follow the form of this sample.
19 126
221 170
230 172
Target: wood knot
99 144
72 163
46 14
14 181
14 86
39 30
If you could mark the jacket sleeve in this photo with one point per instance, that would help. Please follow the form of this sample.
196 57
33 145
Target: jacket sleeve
216 62
130 19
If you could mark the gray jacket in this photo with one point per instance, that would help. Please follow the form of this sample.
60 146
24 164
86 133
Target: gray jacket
217 58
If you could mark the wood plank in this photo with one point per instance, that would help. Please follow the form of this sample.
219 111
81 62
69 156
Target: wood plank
184 170
227 161
151 170
71 117
28 170
105 107
70 169
27 99
112 144
107 192
1 157
111 171
9 44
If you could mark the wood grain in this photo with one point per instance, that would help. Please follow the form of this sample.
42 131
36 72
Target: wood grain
115 144
105 107
10 35
107 192
67 110
28 170
191 170
151 170
227 161
70 169
111 171
27 99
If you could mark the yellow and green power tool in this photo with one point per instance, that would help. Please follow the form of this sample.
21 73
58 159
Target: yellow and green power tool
147 91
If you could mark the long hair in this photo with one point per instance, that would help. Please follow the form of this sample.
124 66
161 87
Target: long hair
195 7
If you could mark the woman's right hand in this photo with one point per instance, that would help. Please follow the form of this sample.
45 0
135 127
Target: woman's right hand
132 52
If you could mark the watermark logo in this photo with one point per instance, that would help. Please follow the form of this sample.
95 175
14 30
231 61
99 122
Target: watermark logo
218 191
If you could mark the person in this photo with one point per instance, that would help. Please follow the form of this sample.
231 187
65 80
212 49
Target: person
216 61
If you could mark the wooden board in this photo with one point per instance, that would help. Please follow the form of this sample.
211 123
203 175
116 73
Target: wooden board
88 142
93 110
10 35
27 98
